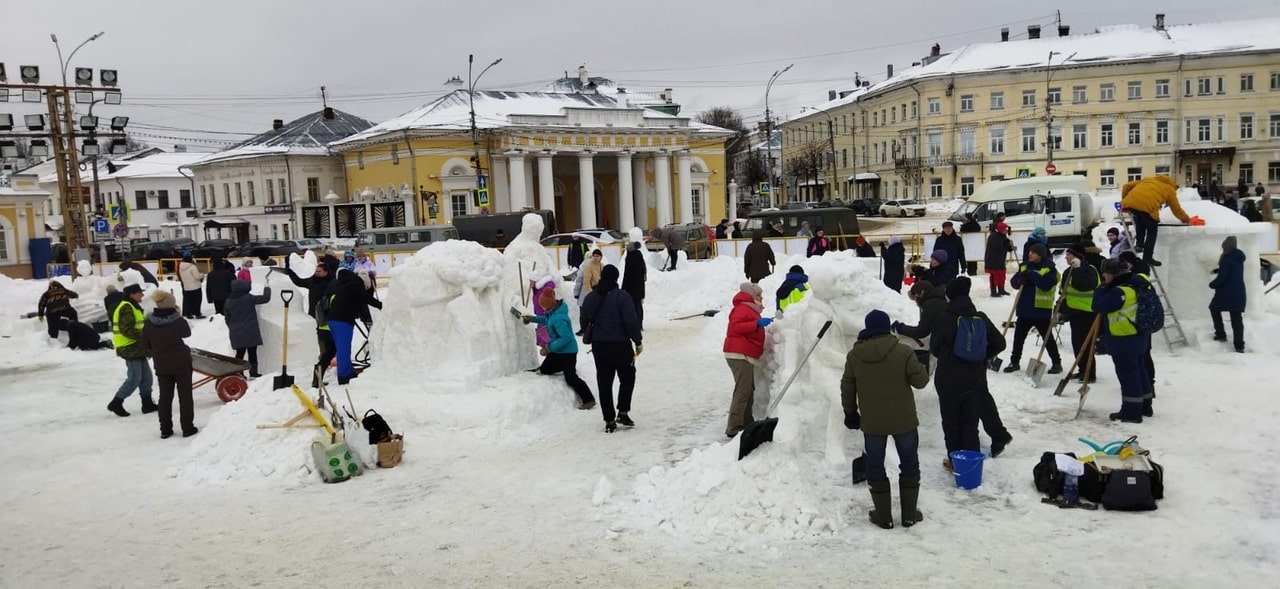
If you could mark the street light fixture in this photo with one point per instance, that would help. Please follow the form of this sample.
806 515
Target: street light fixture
112 98
6 121
90 148
471 104
65 62
34 122
38 148
84 76
8 149
30 74
88 122
119 147
768 124
30 95
119 123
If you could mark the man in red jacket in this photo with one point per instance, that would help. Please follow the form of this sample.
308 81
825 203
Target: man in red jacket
743 346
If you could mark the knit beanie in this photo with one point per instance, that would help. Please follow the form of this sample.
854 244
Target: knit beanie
796 269
894 239
751 289
163 299
1040 250
877 320
939 255
958 288
1114 267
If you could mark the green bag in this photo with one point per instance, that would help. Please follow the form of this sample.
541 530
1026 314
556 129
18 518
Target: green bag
335 462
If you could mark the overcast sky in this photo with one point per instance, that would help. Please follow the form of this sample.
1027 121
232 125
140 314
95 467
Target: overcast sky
232 66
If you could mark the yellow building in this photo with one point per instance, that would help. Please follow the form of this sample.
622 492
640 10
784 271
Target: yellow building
597 159
21 218
1200 102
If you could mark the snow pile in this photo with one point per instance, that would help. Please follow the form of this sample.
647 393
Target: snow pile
943 207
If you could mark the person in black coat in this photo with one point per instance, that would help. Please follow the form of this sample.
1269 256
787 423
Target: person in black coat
633 278
1135 264
611 315
938 272
1079 281
951 242
722 230
819 244
241 317
995 259
316 285
217 284
963 396
577 251
970 225
931 300
348 300
862 248
112 300
894 257
1251 211
1229 294
81 336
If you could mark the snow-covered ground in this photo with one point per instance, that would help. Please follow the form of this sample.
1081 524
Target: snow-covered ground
504 483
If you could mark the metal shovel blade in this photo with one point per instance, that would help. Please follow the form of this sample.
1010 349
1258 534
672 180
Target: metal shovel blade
1062 386
994 364
1036 370
755 434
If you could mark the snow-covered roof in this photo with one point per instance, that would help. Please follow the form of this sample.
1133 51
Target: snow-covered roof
1108 44
160 165
498 109
309 135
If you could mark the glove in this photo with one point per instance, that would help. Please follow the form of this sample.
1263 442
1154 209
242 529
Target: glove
852 420
1215 271
526 319
896 327
763 322
639 348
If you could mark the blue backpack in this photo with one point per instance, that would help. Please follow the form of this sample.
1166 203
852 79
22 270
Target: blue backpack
970 344
1150 317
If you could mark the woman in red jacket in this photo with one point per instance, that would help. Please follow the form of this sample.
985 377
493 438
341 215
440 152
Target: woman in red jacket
743 346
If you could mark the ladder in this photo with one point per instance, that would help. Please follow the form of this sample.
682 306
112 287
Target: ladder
1173 334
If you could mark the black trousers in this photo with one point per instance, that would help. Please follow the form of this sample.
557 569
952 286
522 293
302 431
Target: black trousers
1080 326
959 410
672 256
1145 229
191 301
186 407
1023 327
568 364
53 321
253 356
328 350
614 358
989 415
1237 328
217 306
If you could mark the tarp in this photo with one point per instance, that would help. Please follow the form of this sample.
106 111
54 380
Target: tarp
224 222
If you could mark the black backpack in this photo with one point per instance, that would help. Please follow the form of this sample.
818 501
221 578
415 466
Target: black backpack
377 427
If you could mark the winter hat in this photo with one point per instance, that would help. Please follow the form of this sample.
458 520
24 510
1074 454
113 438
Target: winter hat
609 274
1114 267
861 241
330 264
349 254
894 240
132 289
796 269
958 288
946 224
186 255
1002 228
1039 231
877 321
1040 250
751 289
1229 243
939 255
163 299
920 287
1077 249
112 288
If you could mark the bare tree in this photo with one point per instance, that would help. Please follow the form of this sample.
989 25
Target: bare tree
910 169
808 162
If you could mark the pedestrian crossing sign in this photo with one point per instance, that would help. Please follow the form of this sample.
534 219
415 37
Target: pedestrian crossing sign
1024 172
482 197
765 188
119 213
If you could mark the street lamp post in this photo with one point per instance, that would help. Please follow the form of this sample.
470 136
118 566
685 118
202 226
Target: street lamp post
1048 104
471 104
66 62
768 124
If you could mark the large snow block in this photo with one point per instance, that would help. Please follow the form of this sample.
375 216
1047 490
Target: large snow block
1190 254
303 349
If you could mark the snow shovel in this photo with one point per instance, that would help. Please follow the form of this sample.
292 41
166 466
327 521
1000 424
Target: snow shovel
995 363
284 380
759 432
1084 384
1036 368
707 313
1087 350
860 468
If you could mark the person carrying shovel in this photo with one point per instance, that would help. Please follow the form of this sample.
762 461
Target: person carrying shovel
1035 305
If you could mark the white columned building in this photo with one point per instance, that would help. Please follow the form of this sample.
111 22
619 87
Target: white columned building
626 206
639 191
684 176
662 173
519 198
586 190
546 181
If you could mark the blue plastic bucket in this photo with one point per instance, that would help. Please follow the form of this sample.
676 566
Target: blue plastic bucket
967 466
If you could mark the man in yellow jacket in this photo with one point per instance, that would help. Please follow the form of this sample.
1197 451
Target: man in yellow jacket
1144 198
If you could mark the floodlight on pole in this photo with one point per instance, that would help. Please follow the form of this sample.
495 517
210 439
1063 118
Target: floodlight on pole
4 77
83 96
4 93
6 121
112 98
65 62
119 123
84 76
119 147
8 149
109 78
34 122
30 74
88 122
90 148
30 95
38 148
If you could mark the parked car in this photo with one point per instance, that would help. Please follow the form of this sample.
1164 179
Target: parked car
902 208
699 240
213 247
866 207
156 250
796 206
598 238
833 220
314 245
1062 205
403 238
604 235
483 228
264 249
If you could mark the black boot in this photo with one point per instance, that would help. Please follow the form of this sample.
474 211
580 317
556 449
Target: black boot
1013 366
1003 292
148 406
998 446
882 500
253 371
995 293
909 487
117 406
1056 368
625 419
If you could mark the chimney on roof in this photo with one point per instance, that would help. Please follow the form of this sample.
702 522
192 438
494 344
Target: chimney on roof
583 78
1064 30
1159 22
277 124
328 113
667 96
1033 31
936 50
1004 34
831 94
888 71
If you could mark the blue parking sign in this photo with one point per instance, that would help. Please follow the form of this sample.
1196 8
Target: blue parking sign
101 226
1117 205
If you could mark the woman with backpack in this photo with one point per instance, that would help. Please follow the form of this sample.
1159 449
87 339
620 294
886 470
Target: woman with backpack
242 322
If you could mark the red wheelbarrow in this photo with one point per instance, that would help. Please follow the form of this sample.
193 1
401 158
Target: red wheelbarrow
225 371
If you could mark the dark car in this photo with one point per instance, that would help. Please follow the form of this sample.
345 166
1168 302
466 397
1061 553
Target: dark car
865 206
264 249
213 247
157 250
699 240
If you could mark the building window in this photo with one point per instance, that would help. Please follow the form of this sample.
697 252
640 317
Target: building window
935 187
252 199
140 199
696 198
966 103
1187 91
162 199
458 204
875 119
1162 88
226 195
1222 85
995 177
275 231
914 111
1079 136
1204 86
1028 98
1135 133
968 143
1135 174
1028 139
271 192
997 100
1055 136
997 140
1079 94
1246 127
1107 135
1222 128
1275 80
284 195
239 195
1246 173
313 190
1162 132
204 197
4 244
1135 90
1107 92
1054 96
1107 178
1084 173
935 106
1163 170
1273 127
1246 82
184 198
844 158
934 139
1273 172
1205 130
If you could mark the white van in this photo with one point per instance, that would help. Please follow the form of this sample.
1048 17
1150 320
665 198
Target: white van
1062 205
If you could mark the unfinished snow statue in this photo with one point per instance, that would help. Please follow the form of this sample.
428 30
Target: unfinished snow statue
446 316
526 261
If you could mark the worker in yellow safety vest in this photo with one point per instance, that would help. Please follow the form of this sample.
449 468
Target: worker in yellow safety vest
1078 283
793 289
1117 301
126 330
1036 281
